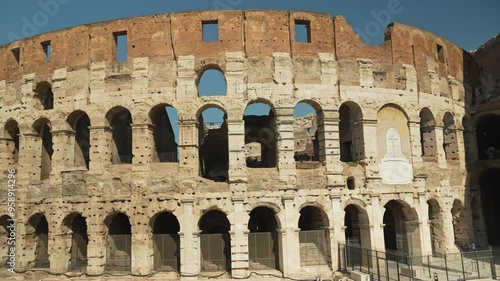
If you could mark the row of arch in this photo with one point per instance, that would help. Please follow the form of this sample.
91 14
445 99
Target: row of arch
260 128
401 233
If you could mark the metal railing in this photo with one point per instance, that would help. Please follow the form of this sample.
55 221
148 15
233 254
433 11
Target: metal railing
262 250
215 252
78 260
118 254
402 266
166 252
313 248
167 156
42 254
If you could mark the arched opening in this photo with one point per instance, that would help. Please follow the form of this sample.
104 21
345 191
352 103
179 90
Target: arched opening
80 123
260 127
165 133
488 137
166 243
7 229
460 229
12 144
44 96
77 225
313 237
120 120
119 244
213 143
263 243
42 127
428 135
397 240
351 223
351 132
450 137
40 234
438 239
212 83
308 132
393 145
215 242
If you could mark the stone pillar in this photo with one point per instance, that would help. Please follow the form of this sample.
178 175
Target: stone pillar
142 246
459 134
338 229
331 147
377 218
64 151
285 147
423 224
7 160
411 78
186 77
97 81
237 158
365 73
100 148
58 251
239 239
371 154
140 75
189 158
435 84
235 73
448 229
415 143
290 239
439 146
190 250
142 144
30 158
96 248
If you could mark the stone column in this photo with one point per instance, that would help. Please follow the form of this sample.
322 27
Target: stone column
285 146
30 158
338 229
423 224
290 245
331 147
448 229
237 158
239 239
371 153
459 134
189 158
377 218
58 255
190 251
142 144
439 146
96 248
64 151
142 246
100 148
415 143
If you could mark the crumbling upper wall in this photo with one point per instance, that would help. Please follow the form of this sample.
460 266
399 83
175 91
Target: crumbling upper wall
488 58
257 34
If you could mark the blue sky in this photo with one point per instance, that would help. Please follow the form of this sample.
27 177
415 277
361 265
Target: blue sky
467 23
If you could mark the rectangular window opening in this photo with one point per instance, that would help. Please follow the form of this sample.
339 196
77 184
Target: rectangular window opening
303 31
46 49
210 31
440 53
121 46
17 54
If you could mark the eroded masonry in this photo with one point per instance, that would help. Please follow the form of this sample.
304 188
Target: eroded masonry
119 170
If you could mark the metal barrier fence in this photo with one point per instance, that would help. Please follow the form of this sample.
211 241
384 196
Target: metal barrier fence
262 250
78 260
42 254
167 157
401 266
215 252
313 248
166 252
118 253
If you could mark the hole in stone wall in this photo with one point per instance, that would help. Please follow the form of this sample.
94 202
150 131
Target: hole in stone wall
263 231
351 184
210 30
212 83
79 242
213 143
42 241
16 52
165 132
306 132
302 31
44 97
260 127
440 53
121 46
47 49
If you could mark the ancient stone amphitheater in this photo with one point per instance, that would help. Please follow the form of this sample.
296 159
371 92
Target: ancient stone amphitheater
104 189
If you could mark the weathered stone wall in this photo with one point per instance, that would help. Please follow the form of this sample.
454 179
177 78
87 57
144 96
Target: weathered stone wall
262 62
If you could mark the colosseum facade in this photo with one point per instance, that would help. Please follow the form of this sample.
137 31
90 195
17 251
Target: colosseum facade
103 187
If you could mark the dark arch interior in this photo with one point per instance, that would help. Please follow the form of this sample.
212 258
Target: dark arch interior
82 137
427 135
47 150
12 130
307 127
351 222
260 127
263 238
166 242
214 145
395 228
262 220
166 223
45 94
120 224
122 136
312 218
488 185
215 241
79 243
164 135
488 137
214 222
42 245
